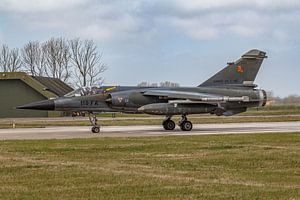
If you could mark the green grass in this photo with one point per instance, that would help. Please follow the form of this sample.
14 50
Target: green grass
262 166
275 110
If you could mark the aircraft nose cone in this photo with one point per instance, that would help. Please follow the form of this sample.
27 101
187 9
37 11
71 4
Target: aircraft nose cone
40 105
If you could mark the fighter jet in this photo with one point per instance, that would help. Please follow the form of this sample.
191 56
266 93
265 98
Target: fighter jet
229 92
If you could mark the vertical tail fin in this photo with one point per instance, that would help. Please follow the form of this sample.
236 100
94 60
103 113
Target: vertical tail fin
241 72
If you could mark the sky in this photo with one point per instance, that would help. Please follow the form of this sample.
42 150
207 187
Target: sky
183 41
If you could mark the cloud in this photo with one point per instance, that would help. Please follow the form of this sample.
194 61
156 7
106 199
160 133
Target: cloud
1 37
207 19
212 25
105 20
106 29
202 5
194 28
99 20
31 6
166 34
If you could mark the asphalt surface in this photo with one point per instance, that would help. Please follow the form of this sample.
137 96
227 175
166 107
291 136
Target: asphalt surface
137 131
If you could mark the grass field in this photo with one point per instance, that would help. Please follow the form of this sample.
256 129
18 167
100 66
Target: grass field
261 166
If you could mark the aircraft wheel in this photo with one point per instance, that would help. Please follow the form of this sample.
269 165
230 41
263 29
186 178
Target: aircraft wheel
96 129
186 126
169 125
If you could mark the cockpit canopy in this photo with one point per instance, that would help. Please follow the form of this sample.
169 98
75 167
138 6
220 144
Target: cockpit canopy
83 91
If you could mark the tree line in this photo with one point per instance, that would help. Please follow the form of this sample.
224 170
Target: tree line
74 61
289 100
161 84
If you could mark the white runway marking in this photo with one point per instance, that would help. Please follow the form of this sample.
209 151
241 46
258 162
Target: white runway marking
135 131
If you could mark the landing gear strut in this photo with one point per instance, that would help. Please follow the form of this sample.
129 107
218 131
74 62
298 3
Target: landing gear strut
184 124
169 124
93 119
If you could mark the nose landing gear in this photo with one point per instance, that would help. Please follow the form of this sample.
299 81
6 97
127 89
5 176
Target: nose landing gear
93 119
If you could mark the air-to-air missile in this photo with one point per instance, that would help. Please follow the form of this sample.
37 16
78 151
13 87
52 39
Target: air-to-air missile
229 92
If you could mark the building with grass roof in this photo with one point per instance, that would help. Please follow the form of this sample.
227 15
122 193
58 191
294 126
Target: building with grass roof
19 88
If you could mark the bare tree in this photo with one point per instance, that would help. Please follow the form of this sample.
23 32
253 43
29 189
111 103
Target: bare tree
168 84
57 58
4 58
33 59
9 59
147 84
15 60
87 62
291 99
97 68
162 84
143 84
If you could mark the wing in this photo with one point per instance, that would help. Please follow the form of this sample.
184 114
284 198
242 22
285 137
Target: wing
192 97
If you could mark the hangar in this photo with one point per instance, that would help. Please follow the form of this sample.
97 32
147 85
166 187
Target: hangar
19 88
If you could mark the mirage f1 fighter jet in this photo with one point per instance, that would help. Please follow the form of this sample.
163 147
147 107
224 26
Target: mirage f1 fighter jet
229 92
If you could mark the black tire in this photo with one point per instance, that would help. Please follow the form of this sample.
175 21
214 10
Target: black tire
96 129
169 125
186 126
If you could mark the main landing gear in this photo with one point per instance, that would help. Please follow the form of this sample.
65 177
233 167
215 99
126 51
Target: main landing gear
93 119
184 124
169 124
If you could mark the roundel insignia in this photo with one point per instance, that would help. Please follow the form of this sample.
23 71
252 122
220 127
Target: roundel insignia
240 69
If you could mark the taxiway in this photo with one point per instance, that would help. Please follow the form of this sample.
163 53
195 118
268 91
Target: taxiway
137 131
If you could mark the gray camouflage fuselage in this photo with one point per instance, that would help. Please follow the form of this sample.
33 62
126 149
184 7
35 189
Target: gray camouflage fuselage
133 101
230 91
